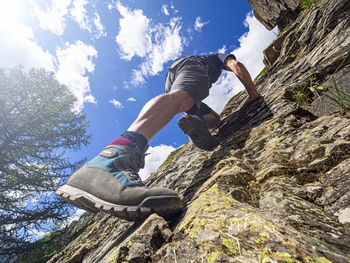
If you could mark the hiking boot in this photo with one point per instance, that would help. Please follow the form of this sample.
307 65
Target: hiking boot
110 183
196 128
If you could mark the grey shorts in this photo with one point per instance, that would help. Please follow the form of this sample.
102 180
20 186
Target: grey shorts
191 75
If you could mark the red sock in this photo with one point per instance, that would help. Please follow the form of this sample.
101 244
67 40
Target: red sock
122 141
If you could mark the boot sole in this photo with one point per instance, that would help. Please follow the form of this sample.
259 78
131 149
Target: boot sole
165 206
198 132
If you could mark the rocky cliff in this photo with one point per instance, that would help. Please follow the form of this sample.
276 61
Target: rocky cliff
277 189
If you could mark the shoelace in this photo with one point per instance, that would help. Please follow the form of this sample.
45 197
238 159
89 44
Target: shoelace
135 177
134 161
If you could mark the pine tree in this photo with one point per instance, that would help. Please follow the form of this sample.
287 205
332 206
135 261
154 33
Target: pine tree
37 129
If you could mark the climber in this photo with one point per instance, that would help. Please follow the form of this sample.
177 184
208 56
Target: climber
110 182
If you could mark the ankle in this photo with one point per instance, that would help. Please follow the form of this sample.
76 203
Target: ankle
137 138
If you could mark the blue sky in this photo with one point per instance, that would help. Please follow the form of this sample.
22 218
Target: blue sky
114 55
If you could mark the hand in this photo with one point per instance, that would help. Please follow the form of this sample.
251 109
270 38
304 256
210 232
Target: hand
250 100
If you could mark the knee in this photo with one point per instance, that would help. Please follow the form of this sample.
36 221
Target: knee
182 99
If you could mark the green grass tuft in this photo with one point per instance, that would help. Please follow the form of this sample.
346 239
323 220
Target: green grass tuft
339 96
263 71
306 4
172 154
233 98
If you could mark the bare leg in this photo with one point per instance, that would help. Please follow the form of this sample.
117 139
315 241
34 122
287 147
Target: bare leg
159 111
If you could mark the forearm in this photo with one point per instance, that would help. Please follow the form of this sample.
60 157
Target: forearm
243 75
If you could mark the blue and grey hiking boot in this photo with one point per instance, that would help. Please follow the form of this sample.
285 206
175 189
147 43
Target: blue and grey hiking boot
110 183
195 127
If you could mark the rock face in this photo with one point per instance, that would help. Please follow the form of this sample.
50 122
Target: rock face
274 12
277 189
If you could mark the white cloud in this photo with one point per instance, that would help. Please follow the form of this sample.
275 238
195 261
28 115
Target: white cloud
99 27
222 50
137 78
250 54
167 46
156 44
165 10
18 47
253 43
174 10
74 62
116 103
53 19
131 99
157 156
79 14
133 38
198 24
